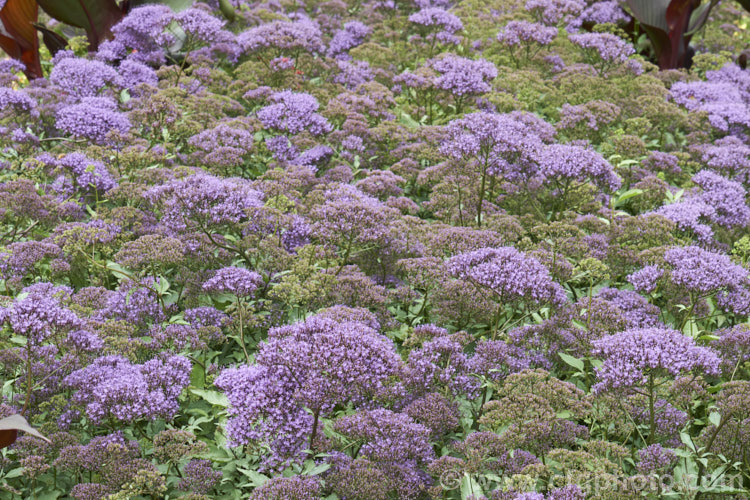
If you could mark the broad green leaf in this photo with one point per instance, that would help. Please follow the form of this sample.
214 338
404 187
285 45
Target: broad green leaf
213 397
715 418
470 488
197 376
630 193
256 478
227 10
14 473
318 469
574 362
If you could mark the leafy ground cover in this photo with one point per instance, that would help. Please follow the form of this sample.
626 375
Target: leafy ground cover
377 250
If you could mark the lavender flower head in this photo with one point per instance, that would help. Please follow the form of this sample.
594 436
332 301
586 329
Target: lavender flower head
92 118
112 387
503 144
440 363
655 458
726 197
204 199
517 33
288 488
17 102
352 35
199 477
632 356
317 364
81 77
234 280
283 38
702 271
39 315
565 162
461 76
293 113
436 24
509 274
87 174
552 12
601 12
388 436
722 97
603 50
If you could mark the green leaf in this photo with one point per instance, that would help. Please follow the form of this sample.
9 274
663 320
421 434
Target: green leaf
570 360
318 469
227 10
14 473
197 376
715 418
215 398
162 285
470 488
687 441
256 478
630 193
19 339
407 120
175 5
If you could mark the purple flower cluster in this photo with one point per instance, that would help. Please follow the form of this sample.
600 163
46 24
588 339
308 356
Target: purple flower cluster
563 163
633 357
93 118
655 459
283 38
81 77
293 113
373 247
603 50
317 364
112 387
509 274
719 96
353 34
552 12
235 280
203 199
38 316
517 33
135 36
87 174
461 76
437 25
500 144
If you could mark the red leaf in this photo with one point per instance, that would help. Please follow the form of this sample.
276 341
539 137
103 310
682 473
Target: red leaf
17 17
95 16
8 437
9 427
678 19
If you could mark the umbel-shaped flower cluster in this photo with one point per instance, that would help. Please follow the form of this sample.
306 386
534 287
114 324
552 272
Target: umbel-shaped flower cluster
509 274
113 388
317 365
633 357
